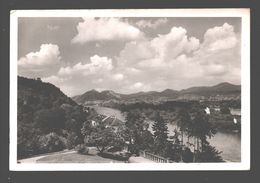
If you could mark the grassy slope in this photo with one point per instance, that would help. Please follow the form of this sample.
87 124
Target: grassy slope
75 158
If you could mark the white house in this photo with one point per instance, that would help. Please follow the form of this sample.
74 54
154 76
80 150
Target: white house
235 120
93 123
207 110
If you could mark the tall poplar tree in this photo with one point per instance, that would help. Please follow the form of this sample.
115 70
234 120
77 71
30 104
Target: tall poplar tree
160 129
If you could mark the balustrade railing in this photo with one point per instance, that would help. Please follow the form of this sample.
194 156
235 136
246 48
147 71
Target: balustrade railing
153 157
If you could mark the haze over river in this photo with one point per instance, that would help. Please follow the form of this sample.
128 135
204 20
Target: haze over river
228 143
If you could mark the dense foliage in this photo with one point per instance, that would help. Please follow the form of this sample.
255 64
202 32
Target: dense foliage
48 120
209 154
137 133
171 111
161 143
101 136
193 123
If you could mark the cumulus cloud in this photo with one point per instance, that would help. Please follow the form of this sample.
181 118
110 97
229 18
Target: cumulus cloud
96 29
47 55
134 52
118 77
132 87
174 43
172 60
55 79
220 49
150 24
220 38
159 50
138 85
175 60
77 78
40 63
97 65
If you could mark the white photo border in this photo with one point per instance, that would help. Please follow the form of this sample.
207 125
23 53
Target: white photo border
244 13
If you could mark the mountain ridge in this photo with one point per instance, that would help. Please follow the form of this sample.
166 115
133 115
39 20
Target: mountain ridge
223 90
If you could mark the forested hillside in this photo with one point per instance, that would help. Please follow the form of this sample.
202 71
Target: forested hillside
48 120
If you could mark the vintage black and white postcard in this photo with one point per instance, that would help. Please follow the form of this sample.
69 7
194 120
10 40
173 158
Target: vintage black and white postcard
160 89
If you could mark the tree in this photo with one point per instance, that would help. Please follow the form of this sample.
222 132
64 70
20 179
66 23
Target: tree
27 142
50 120
209 154
51 143
200 129
86 128
187 155
224 110
183 122
103 138
136 132
72 140
161 143
195 125
43 109
147 140
176 152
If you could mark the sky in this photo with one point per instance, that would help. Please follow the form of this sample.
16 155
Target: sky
129 55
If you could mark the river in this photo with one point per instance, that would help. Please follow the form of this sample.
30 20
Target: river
228 143
109 112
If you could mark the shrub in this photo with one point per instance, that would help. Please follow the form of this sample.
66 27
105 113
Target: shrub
224 110
50 143
114 149
72 141
116 156
82 149
209 154
187 155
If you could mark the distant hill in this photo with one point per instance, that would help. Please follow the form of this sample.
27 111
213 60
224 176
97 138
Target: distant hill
222 91
220 88
94 95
